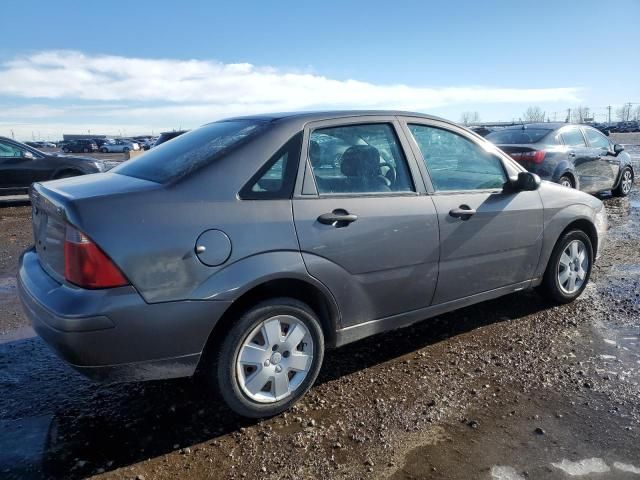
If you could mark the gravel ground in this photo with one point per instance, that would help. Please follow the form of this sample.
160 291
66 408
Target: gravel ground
509 389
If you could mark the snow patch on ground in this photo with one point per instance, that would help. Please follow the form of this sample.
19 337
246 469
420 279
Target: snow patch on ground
582 467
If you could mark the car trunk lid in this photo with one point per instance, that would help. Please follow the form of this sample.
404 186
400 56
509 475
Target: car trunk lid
54 204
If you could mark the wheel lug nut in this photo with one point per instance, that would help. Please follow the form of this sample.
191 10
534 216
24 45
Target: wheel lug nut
267 363
278 368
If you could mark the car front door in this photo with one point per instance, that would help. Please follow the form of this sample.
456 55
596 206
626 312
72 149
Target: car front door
490 237
585 159
365 225
608 164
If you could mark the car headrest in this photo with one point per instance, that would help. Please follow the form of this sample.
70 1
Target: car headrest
314 153
360 161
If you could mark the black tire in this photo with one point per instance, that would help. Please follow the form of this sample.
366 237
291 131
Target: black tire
623 189
224 374
104 150
566 181
125 149
85 150
550 286
65 150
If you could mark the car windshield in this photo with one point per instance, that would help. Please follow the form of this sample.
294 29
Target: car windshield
518 135
190 151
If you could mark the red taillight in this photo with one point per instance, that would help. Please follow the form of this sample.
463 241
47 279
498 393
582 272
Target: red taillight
536 156
86 265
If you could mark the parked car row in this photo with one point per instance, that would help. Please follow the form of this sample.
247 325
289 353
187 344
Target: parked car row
620 127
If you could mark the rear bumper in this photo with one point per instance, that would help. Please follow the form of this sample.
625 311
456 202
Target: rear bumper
112 334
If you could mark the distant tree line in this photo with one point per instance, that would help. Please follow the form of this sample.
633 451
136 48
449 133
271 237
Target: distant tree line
580 114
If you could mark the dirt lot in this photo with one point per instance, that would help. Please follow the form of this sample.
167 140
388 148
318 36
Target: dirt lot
514 388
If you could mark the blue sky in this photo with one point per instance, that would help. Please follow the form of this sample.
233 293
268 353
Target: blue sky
138 66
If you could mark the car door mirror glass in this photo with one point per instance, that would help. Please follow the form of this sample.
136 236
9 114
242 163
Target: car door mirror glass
617 148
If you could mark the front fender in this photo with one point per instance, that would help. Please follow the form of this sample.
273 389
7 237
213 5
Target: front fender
555 222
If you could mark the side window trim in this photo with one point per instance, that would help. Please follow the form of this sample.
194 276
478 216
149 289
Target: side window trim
292 147
307 187
431 190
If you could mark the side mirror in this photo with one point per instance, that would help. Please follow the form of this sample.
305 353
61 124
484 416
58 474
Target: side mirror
524 182
28 154
617 148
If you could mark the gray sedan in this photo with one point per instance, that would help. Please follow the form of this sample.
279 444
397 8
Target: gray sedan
248 246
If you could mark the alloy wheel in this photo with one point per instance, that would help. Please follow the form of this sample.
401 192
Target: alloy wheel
627 181
274 359
573 267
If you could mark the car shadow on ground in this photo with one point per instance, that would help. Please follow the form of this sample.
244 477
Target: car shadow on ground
62 425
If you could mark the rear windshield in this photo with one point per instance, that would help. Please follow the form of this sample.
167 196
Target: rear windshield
184 154
518 135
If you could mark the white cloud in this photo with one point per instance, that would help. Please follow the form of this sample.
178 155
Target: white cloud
196 90
67 74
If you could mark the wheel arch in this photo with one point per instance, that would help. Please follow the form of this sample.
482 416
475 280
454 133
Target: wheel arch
319 301
587 227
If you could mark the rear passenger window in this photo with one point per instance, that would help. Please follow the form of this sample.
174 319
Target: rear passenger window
455 163
358 159
572 137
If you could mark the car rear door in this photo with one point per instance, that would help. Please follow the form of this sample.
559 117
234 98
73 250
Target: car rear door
585 159
365 225
490 237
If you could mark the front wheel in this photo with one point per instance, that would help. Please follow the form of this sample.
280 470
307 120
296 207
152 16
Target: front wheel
104 150
569 267
626 182
269 358
125 149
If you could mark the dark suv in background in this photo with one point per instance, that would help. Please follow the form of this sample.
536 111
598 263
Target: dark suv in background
576 156
77 146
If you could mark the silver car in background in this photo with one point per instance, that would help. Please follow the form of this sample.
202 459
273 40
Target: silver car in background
248 246
119 146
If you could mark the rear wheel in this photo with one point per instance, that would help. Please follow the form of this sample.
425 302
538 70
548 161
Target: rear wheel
269 358
626 183
566 181
569 267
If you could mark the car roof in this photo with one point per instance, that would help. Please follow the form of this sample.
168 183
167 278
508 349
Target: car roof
311 116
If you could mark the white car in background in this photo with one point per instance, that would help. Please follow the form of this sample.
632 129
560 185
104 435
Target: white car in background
116 146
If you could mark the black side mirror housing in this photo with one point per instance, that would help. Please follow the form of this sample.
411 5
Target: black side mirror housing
524 182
